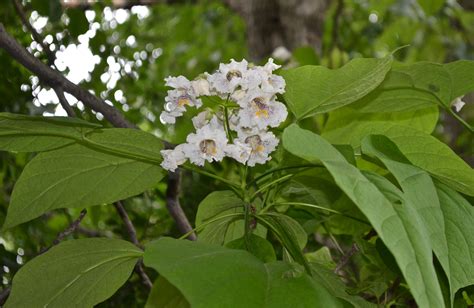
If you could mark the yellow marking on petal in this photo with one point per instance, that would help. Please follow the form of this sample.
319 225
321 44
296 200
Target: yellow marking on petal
183 101
261 112
259 148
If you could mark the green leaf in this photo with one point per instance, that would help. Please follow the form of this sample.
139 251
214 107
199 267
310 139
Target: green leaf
77 176
219 204
165 295
316 89
78 23
349 126
396 225
256 245
75 273
22 133
458 217
431 6
214 276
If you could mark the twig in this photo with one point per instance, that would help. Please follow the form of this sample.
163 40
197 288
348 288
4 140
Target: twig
346 257
55 79
70 229
172 203
132 233
49 54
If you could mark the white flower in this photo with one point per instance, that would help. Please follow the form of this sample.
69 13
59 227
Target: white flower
239 151
173 158
228 77
170 117
261 143
201 87
260 109
176 101
202 119
208 143
458 103
270 66
179 82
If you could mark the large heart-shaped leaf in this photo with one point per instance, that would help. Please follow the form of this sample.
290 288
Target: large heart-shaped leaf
317 89
78 176
215 276
400 230
75 273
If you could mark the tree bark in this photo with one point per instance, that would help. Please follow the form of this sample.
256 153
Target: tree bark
274 23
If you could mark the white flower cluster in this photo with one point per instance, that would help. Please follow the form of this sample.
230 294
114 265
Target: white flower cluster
252 89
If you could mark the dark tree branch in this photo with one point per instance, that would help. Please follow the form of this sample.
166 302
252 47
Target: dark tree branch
132 233
36 36
55 79
172 203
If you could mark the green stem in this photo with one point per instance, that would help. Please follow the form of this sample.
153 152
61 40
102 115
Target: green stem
269 172
318 207
268 185
227 125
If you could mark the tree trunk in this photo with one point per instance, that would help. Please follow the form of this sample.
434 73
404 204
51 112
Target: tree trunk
274 23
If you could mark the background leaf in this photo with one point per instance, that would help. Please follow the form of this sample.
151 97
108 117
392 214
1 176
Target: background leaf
79 273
